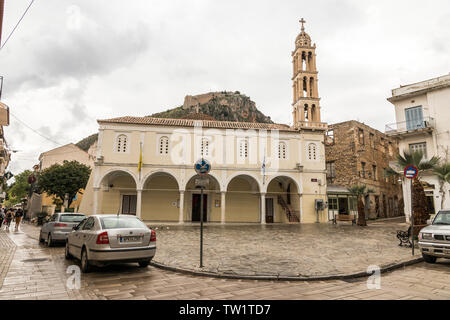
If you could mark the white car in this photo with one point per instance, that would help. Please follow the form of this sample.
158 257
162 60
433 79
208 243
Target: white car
434 240
104 239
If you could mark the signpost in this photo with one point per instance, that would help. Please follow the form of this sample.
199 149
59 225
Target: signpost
410 173
202 167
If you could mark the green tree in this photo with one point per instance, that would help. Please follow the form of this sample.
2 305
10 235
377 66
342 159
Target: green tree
417 159
18 189
442 171
360 192
59 180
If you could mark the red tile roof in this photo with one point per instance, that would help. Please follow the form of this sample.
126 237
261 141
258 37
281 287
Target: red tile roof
192 123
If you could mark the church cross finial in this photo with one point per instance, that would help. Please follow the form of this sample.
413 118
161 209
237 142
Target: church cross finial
302 21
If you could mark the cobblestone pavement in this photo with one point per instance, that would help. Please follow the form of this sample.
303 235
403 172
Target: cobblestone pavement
38 272
283 250
7 248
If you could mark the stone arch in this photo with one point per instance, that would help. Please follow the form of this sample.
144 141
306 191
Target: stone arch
219 181
149 175
289 178
246 176
160 196
110 172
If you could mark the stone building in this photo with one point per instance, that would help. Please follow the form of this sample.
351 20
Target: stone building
357 154
422 113
261 172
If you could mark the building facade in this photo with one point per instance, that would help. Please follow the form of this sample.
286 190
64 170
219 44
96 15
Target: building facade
261 173
5 154
422 112
357 154
68 152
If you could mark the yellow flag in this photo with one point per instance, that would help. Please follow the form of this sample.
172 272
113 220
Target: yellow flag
140 158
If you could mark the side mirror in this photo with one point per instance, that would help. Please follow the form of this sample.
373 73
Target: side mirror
429 221
75 228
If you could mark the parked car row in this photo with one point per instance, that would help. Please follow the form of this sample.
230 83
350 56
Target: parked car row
101 239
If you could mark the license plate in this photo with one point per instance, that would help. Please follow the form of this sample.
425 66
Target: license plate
130 239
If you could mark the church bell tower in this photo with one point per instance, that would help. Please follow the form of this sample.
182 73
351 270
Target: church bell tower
306 107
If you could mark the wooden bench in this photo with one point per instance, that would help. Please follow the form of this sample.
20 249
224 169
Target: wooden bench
345 217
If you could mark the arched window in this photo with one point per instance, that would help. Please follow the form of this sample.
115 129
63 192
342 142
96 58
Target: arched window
204 147
312 151
164 145
243 148
121 143
282 150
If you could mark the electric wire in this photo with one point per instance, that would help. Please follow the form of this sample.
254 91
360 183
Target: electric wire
15 27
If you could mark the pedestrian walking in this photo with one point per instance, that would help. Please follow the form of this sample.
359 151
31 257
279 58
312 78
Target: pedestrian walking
2 216
8 218
18 216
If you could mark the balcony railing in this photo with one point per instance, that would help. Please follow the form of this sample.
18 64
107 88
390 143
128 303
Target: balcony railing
410 126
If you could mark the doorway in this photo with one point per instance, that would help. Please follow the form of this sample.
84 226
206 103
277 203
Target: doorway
196 207
269 210
343 205
129 204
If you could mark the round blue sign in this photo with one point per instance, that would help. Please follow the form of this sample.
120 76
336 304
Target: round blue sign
202 166
411 172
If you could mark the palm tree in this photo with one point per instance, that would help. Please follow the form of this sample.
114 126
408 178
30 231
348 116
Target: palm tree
417 159
442 171
359 192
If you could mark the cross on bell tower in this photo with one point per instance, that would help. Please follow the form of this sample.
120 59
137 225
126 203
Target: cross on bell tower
306 108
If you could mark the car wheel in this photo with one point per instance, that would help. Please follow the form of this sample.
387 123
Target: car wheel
429 259
85 267
144 264
67 254
49 240
40 238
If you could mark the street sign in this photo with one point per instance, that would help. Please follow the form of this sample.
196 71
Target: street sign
411 172
202 166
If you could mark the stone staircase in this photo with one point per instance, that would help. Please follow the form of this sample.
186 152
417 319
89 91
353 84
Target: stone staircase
292 215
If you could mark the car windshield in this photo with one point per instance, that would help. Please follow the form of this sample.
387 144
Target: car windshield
442 218
120 222
71 218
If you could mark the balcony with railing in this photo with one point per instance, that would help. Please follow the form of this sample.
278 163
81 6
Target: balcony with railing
427 124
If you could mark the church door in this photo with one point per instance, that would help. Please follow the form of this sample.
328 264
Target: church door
129 204
196 207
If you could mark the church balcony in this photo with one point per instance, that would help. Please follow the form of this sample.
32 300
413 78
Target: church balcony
312 125
405 128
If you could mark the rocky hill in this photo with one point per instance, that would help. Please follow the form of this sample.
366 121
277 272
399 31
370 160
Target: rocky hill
222 106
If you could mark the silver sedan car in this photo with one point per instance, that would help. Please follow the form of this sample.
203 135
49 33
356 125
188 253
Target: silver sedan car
104 239
59 226
434 240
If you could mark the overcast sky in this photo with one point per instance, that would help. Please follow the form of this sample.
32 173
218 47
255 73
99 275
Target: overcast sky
72 62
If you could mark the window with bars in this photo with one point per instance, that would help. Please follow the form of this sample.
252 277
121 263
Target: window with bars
121 143
282 150
312 151
243 148
331 170
204 147
164 145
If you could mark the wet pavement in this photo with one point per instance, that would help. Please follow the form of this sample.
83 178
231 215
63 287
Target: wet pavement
39 272
299 250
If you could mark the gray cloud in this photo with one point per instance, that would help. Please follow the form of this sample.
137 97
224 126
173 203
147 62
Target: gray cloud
67 66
